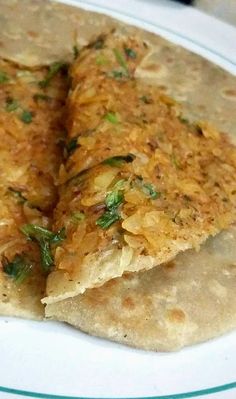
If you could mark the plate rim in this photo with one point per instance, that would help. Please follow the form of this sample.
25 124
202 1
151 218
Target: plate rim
183 395
102 9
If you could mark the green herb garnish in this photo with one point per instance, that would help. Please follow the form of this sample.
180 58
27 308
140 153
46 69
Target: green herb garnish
150 191
75 51
39 96
47 260
111 117
113 200
71 146
45 239
11 104
147 188
18 269
4 78
120 184
53 70
121 60
18 195
130 52
119 160
33 231
26 116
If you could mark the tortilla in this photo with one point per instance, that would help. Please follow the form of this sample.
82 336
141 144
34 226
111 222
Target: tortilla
186 301
143 183
30 127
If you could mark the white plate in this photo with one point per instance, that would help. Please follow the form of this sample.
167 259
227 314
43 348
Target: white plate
52 360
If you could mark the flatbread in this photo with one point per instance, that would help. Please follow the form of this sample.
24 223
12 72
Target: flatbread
186 301
30 155
32 35
147 184
39 32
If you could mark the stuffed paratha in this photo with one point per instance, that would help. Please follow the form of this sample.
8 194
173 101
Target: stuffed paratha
30 155
141 184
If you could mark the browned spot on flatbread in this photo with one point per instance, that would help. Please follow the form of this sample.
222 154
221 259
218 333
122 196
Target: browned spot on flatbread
128 276
111 283
128 303
230 94
32 34
176 315
169 265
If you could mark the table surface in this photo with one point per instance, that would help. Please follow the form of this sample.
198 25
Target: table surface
223 9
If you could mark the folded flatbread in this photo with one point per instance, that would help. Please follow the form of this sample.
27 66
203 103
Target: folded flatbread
48 31
141 184
182 302
30 129
188 300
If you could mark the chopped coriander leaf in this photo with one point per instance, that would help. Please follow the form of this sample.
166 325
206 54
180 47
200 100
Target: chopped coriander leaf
18 269
45 239
121 60
11 104
33 231
47 260
4 78
130 52
112 117
71 146
59 236
26 116
119 160
39 96
120 184
77 217
107 219
150 191
18 195
113 200
53 70
75 51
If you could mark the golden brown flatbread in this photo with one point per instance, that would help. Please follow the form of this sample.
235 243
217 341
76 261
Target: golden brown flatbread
40 32
141 184
186 301
30 155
